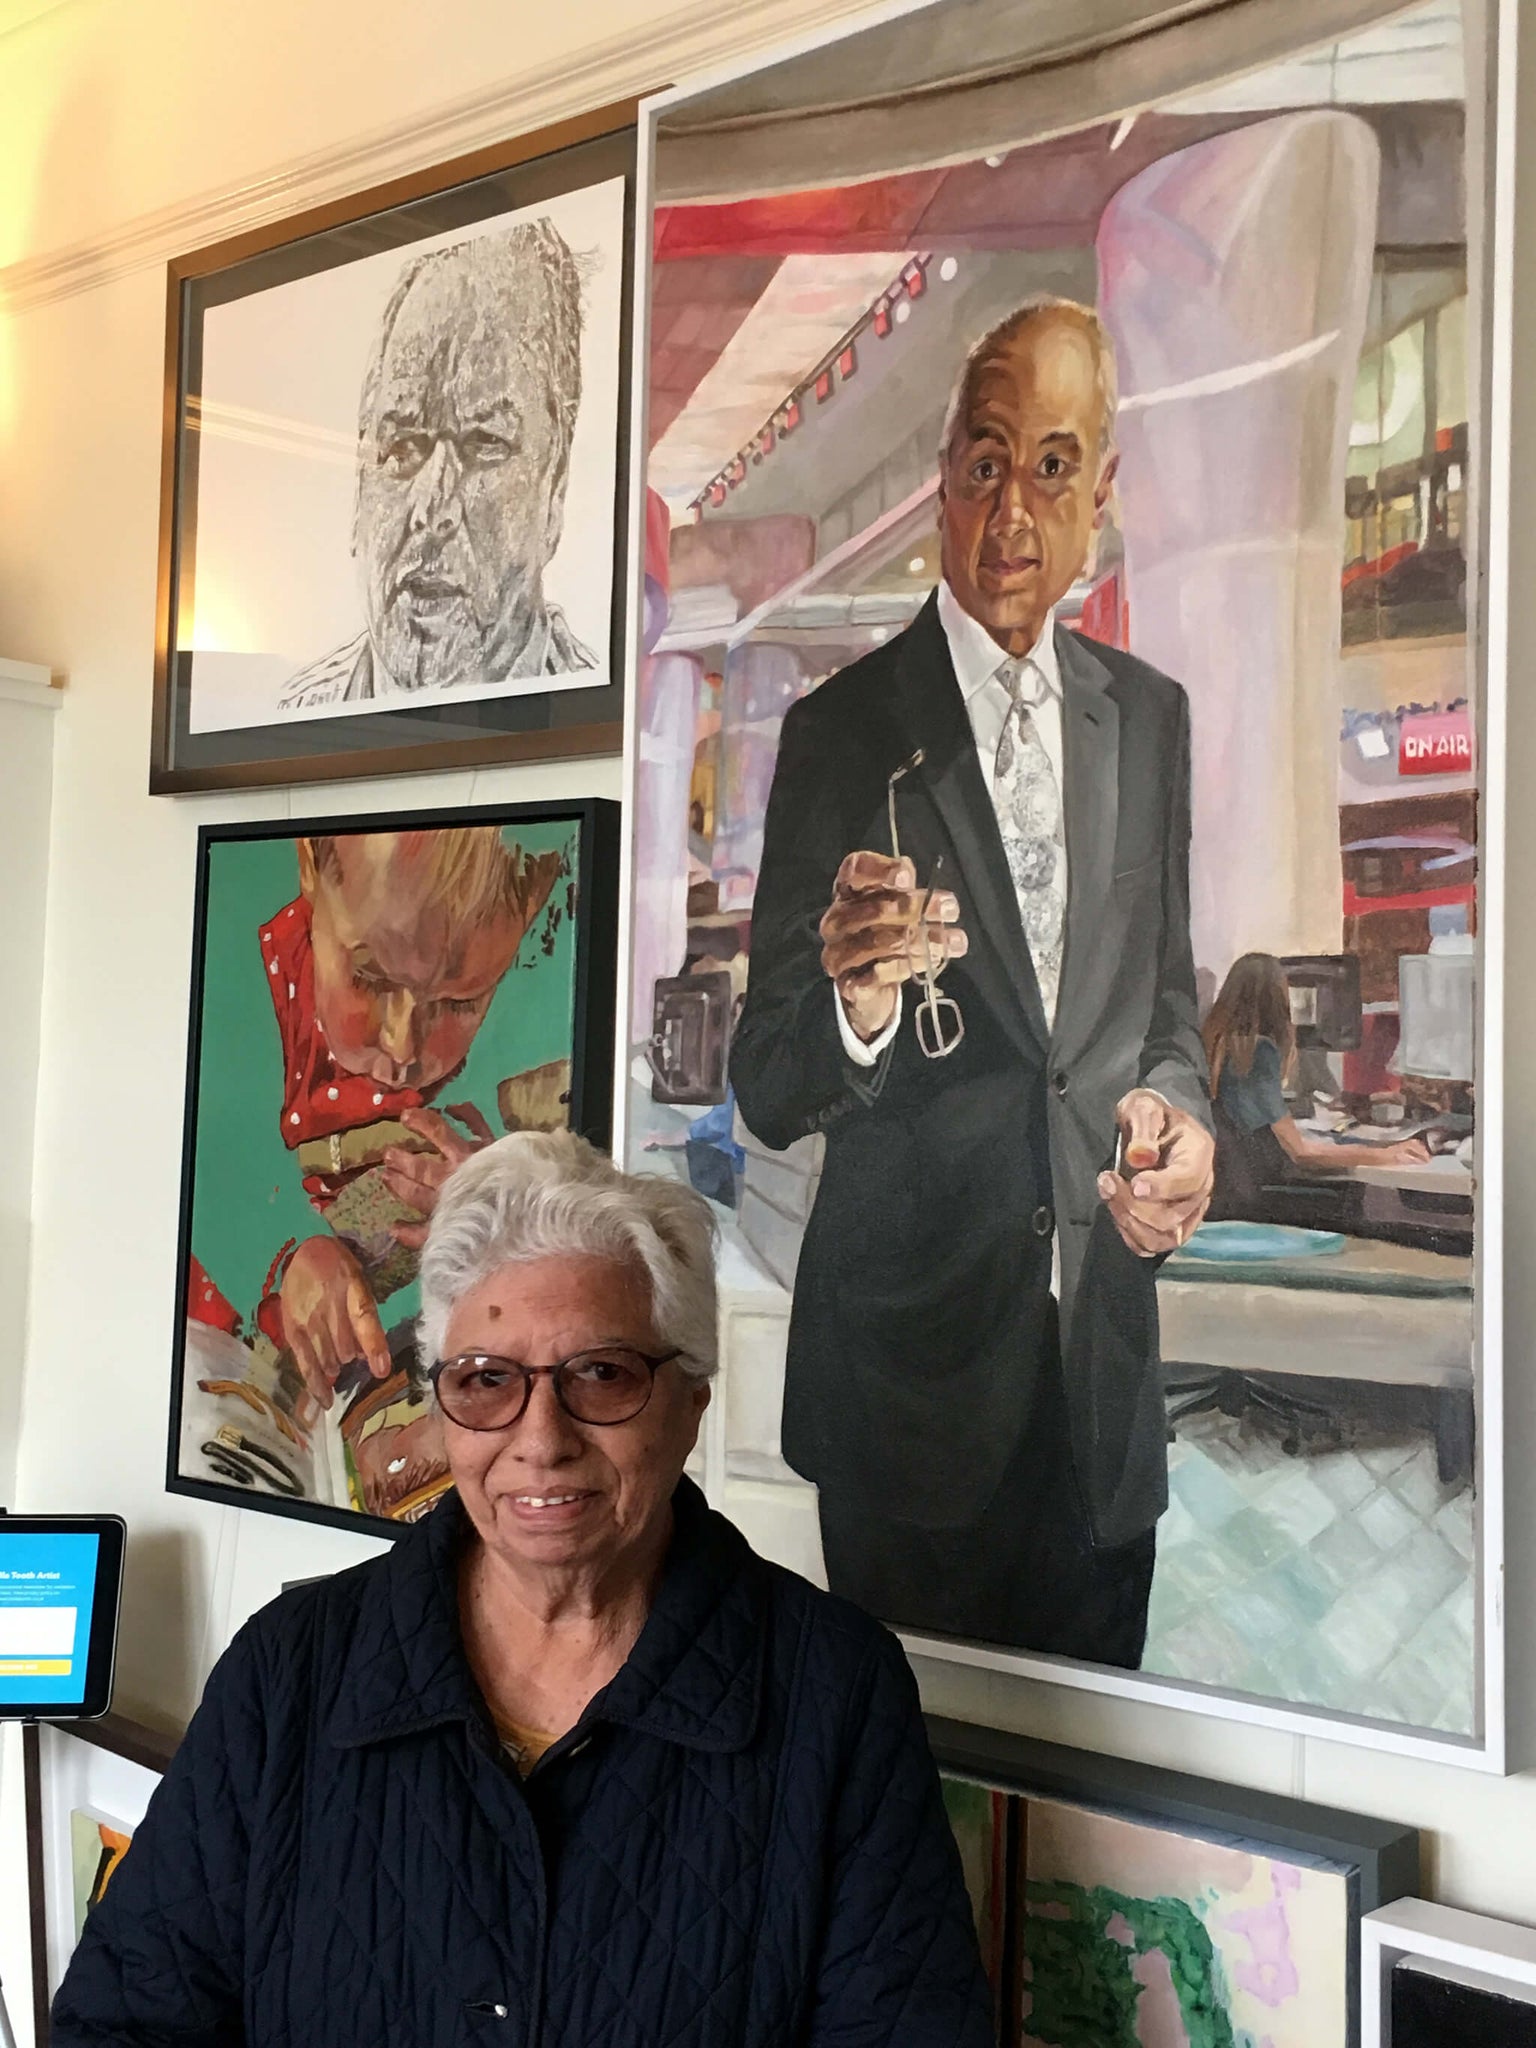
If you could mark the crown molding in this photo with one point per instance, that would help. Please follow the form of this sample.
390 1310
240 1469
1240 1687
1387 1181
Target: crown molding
699 35
28 682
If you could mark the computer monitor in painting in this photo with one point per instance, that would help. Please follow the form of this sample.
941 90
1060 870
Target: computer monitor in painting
1325 1001
1438 1012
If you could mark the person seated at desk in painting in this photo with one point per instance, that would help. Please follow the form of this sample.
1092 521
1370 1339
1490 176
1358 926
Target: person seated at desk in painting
1250 1043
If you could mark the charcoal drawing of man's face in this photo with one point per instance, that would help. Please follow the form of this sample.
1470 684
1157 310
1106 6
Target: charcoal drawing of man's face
462 464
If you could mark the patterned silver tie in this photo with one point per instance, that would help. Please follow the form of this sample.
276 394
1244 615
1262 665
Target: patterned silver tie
1027 799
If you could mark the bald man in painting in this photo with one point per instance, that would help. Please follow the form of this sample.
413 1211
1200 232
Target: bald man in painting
973 1379
464 443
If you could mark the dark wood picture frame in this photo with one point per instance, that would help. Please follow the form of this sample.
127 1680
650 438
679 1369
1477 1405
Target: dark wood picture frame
594 1009
150 1748
537 726
1379 1859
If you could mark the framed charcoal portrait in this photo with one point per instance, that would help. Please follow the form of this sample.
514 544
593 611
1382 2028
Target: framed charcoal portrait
1118 1904
372 1000
393 466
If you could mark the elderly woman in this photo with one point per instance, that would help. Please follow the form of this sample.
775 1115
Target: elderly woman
570 1766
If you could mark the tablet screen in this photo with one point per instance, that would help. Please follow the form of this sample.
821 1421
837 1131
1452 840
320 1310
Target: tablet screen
60 1578
47 1591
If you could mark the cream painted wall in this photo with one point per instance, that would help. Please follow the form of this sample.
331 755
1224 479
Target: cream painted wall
109 110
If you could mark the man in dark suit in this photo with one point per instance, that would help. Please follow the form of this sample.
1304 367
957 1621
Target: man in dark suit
973 1374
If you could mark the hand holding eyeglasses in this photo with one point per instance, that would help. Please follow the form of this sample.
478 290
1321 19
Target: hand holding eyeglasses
880 930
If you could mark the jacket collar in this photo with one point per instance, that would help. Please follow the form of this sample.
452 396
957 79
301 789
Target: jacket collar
1090 734
694 1677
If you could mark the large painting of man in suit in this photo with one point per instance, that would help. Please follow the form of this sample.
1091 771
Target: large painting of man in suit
993 1023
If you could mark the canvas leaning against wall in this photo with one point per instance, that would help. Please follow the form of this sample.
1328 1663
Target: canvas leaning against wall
1119 1906
373 1000
1126 1935
1069 771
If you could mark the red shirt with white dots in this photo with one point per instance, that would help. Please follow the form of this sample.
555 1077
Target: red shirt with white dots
319 1097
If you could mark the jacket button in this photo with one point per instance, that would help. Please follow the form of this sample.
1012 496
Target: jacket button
1043 1222
1059 1081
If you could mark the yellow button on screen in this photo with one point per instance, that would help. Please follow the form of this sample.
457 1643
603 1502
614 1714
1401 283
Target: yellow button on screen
34 1667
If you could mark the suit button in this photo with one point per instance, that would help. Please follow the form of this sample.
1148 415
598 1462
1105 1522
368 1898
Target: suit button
1042 1223
1059 1081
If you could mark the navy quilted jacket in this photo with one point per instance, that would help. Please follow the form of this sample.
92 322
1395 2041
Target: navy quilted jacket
741 1843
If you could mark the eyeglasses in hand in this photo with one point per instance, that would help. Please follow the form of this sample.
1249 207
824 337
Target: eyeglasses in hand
940 1026
478 1390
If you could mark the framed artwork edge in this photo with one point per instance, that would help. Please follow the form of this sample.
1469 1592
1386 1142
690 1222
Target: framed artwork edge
1495 99
571 743
1378 1860
1388 1850
568 743
1417 1928
405 186
594 993
150 1749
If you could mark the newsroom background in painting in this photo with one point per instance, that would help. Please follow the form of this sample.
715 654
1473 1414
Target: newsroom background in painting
291 1147
1320 1546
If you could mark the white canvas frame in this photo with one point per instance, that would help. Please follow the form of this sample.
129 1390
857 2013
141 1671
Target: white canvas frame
79 1777
1487 1750
1438 1934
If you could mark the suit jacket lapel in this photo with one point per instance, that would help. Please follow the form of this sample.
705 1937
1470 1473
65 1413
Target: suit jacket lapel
933 716
1090 728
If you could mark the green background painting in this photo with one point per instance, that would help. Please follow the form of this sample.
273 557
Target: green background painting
248 1197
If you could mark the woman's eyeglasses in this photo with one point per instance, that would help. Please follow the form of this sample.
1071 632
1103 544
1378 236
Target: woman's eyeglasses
477 1390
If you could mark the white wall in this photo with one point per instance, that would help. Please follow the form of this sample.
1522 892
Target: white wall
110 112
28 708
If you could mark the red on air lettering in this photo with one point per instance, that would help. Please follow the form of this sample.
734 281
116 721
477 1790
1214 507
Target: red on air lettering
1435 744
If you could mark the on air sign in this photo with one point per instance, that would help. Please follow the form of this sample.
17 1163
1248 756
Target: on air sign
1435 743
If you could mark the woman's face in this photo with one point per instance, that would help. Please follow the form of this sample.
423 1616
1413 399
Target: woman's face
548 1491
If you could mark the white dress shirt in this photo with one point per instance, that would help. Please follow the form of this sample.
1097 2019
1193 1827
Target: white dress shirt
977 658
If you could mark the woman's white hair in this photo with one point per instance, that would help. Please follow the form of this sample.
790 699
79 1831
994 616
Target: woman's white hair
549 1194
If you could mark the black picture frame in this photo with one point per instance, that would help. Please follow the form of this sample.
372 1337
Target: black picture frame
590 1113
1379 1859
540 725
